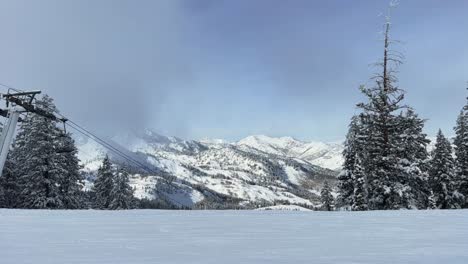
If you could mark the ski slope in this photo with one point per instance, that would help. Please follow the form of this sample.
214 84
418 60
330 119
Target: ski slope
134 237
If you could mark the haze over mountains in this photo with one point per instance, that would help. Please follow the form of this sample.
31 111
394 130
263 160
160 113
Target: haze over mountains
255 170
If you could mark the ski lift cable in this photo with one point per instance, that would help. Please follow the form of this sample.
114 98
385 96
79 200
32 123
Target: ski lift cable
109 146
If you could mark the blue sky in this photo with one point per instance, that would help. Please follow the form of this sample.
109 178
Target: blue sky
228 69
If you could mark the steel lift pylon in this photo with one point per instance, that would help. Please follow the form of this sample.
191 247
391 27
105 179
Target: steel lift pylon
8 133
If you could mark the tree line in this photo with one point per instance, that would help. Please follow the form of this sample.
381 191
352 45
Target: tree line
387 165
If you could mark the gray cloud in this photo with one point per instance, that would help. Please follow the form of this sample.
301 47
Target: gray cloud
108 64
226 69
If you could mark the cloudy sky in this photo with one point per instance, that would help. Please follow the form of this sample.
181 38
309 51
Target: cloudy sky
230 68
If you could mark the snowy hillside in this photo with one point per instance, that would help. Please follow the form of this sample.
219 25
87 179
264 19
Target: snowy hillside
258 169
325 155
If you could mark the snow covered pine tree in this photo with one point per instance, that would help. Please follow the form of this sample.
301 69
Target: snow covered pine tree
346 177
461 153
103 185
392 152
413 161
44 169
9 186
442 175
72 183
38 172
121 197
326 197
360 191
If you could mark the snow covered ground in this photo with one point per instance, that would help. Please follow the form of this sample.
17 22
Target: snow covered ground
206 237
283 208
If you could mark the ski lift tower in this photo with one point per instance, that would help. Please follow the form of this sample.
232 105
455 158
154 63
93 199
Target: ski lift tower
16 104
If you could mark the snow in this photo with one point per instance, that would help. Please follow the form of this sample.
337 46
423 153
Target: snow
90 154
141 236
143 186
252 192
185 196
294 176
215 141
283 208
325 155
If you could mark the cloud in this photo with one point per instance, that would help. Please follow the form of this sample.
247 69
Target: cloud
108 64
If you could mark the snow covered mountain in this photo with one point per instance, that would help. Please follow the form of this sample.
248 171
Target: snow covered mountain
325 155
256 170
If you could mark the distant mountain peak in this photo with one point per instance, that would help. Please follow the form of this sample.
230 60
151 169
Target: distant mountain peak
213 141
326 155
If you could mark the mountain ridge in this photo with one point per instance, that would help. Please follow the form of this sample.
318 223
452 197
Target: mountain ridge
255 170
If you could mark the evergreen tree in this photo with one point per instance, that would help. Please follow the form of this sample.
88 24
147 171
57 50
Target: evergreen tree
14 173
2 190
461 153
392 154
360 202
413 161
380 154
432 202
103 185
326 197
2 196
442 176
9 186
346 177
72 181
121 197
6 184
38 164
